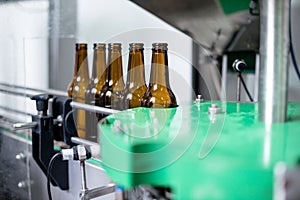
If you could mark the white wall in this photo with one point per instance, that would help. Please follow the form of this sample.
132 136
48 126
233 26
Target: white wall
123 21
23 48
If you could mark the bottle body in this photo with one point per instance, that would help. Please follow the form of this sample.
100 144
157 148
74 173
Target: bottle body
77 88
159 93
135 85
97 81
111 94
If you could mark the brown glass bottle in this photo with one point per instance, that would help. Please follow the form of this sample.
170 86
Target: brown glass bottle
77 87
135 85
97 81
159 93
111 95
80 55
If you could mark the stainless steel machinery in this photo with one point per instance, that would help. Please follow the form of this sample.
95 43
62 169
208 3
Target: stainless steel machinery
216 145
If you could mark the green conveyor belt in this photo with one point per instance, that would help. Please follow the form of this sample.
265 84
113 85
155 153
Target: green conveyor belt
232 158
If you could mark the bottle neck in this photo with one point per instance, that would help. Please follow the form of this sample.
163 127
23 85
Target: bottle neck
159 68
81 64
136 72
114 71
99 65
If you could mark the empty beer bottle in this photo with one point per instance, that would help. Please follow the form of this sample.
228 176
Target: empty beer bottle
97 81
111 95
159 93
135 85
77 87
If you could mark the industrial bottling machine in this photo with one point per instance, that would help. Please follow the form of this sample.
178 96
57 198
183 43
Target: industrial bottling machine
232 133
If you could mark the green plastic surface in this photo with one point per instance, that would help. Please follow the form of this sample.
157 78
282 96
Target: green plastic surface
232 6
229 156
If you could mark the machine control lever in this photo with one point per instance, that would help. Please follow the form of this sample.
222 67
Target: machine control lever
41 102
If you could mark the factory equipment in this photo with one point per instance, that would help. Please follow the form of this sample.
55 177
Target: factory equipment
196 149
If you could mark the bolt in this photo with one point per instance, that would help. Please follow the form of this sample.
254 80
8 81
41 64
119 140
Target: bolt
214 109
199 98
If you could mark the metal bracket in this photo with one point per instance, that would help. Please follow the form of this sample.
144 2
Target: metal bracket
86 193
64 128
42 144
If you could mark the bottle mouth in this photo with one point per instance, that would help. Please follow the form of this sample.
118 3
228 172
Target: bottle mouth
136 46
112 46
99 45
79 46
160 46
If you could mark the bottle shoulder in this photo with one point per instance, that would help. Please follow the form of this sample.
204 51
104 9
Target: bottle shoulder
159 95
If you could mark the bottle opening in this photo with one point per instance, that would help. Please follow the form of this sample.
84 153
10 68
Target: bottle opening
80 46
160 46
136 46
99 46
116 46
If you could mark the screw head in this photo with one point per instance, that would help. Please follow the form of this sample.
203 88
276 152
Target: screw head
214 109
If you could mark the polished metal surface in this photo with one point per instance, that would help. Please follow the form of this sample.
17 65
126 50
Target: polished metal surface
238 89
22 126
92 108
27 91
101 191
81 141
86 193
274 49
206 23
83 177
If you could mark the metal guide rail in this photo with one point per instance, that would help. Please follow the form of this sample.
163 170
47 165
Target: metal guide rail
27 92
57 124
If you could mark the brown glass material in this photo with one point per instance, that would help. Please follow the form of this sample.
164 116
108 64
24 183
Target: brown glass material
111 95
96 83
135 85
78 86
80 56
159 93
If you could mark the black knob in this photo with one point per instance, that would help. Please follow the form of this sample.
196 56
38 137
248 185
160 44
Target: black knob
41 101
239 65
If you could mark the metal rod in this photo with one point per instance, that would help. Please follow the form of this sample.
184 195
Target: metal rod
33 90
101 191
15 111
238 88
22 126
81 141
274 48
22 94
245 87
83 177
10 90
93 108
